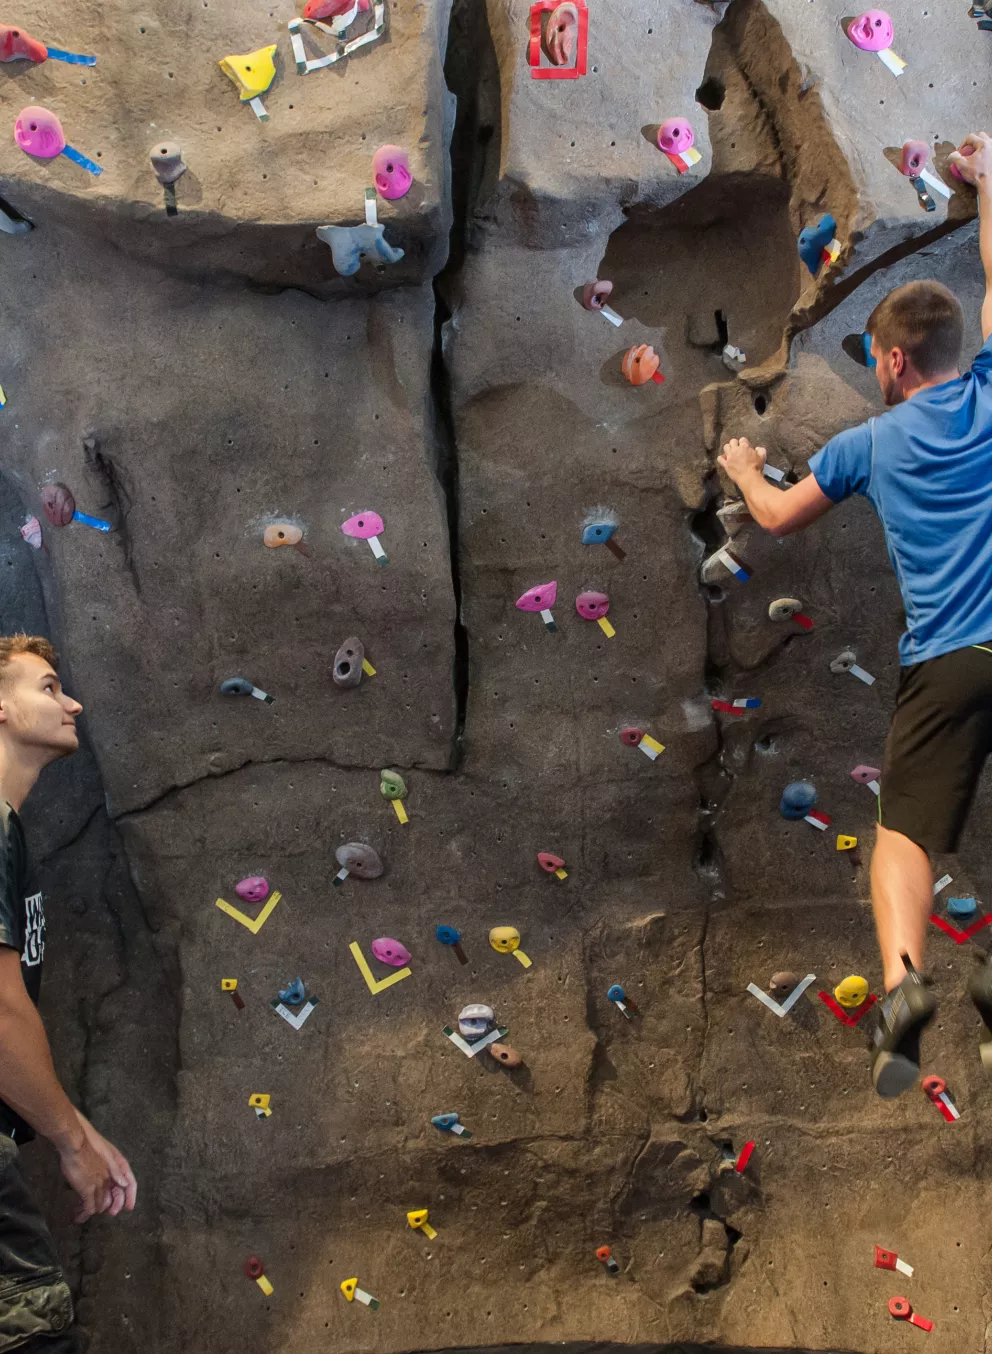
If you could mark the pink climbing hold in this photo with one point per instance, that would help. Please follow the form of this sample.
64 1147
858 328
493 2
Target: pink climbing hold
38 132
389 951
915 154
254 889
631 737
592 605
330 9
541 598
391 169
549 862
16 45
871 31
675 135
363 526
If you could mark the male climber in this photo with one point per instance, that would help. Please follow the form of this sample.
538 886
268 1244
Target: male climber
926 467
37 726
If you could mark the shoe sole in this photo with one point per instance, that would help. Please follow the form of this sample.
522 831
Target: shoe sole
892 1074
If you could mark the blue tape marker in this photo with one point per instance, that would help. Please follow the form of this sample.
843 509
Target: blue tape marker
89 521
80 159
73 58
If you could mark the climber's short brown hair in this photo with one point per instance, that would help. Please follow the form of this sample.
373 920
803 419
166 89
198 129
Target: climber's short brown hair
926 321
21 643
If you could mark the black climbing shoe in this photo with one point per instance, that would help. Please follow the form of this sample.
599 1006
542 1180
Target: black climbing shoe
980 991
902 1017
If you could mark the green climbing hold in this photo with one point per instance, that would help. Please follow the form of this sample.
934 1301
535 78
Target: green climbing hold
392 785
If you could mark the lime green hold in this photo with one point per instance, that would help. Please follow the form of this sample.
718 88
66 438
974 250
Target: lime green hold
392 785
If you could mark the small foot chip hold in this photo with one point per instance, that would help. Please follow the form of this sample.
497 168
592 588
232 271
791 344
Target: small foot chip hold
351 1290
540 599
747 1151
847 662
605 1257
935 1089
261 1103
508 1057
901 1309
231 985
889 1260
255 1271
845 843
417 1219
450 1123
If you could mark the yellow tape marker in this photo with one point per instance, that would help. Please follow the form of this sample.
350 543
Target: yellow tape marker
523 958
418 1219
253 926
264 1285
228 984
375 985
653 743
401 812
606 627
561 874
367 668
3 397
846 843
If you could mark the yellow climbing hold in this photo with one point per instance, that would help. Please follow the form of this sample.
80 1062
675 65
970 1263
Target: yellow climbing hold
252 73
348 1287
852 991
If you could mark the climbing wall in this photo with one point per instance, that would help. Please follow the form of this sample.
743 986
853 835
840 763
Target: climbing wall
304 423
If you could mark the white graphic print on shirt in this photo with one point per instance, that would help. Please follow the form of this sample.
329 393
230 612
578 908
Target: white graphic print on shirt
34 931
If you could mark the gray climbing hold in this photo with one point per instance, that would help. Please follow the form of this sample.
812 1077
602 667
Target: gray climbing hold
348 243
348 661
392 785
236 686
167 161
474 1020
797 799
294 993
784 608
844 662
734 517
359 859
10 226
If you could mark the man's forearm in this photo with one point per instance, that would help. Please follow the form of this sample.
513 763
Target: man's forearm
28 1083
763 499
985 226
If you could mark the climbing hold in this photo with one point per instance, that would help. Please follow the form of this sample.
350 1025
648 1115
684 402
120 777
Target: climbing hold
167 163
814 239
848 662
592 605
506 939
474 1020
331 9
914 156
561 34
367 526
348 660
253 1267
16 45
935 1089
866 775
675 134
871 31
294 993
783 983
797 799
640 365
284 533
351 1290
31 531
605 1257
789 608
845 843
631 737
452 937
542 599
391 171
240 686
392 952
58 504
358 859
38 132
392 785
901 1309
254 889
252 73
449 1123
417 1219
509 1057
349 243
552 864
889 1260
595 294
634 738
619 997
598 528
961 908
851 991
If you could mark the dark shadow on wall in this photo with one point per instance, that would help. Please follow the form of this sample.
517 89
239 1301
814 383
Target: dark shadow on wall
611 1348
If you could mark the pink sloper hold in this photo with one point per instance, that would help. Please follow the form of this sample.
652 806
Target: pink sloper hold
592 605
675 135
254 889
389 951
38 132
363 526
871 31
391 170
541 598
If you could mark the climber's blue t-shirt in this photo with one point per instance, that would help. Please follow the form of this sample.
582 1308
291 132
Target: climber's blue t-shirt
926 466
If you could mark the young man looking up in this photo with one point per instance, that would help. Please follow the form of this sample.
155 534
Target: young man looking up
37 726
926 467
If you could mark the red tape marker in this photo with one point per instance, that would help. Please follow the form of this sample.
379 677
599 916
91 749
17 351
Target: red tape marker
959 937
744 1158
841 1014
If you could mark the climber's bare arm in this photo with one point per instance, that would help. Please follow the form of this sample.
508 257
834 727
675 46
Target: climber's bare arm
976 169
779 512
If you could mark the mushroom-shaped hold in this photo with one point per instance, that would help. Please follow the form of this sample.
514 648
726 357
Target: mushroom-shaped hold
367 526
592 606
797 799
914 157
38 132
561 34
596 294
549 862
167 161
675 135
389 951
474 1020
16 45
254 889
391 171
58 504
282 533
359 859
392 785
871 31
506 1055
851 991
640 364
347 670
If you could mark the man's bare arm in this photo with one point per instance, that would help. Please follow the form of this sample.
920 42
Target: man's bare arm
976 169
779 512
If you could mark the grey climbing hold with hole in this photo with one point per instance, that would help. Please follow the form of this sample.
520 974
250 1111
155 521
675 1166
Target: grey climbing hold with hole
784 608
474 1020
359 859
167 161
347 670
844 662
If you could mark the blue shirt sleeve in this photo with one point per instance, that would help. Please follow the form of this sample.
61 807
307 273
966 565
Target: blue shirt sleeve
843 466
982 366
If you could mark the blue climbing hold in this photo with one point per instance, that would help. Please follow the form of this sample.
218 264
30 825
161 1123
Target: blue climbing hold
445 1122
448 935
961 907
616 993
814 239
598 533
866 343
294 993
797 799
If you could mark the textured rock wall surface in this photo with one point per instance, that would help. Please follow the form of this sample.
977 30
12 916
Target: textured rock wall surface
198 377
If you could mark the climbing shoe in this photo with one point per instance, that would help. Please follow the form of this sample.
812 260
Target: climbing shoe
980 991
902 1017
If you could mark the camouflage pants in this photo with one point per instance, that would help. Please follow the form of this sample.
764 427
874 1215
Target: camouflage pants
35 1303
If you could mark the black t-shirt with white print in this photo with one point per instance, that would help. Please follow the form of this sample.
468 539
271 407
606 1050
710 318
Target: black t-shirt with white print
22 927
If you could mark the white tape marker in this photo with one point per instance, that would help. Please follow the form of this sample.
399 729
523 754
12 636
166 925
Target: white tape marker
861 675
790 1001
942 883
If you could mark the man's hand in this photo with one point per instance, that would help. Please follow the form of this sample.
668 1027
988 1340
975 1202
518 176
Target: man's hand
975 168
740 459
98 1173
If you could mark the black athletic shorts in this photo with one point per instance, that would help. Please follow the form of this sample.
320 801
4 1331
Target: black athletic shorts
940 736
